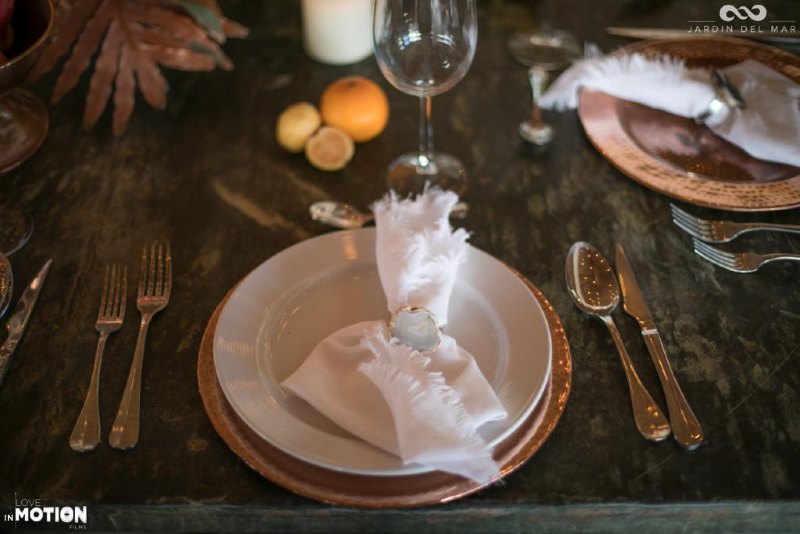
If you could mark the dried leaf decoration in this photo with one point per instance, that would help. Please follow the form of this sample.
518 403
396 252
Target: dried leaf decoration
135 38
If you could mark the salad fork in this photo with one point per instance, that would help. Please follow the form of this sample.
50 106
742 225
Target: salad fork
155 286
738 262
86 433
722 231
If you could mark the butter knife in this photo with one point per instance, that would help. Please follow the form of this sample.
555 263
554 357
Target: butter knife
685 427
675 33
19 320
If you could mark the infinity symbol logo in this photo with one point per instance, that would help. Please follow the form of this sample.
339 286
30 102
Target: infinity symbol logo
757 13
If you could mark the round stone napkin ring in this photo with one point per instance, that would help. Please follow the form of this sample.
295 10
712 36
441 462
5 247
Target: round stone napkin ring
727 95
416 327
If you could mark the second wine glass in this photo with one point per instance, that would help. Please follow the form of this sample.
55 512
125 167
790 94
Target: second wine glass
424 48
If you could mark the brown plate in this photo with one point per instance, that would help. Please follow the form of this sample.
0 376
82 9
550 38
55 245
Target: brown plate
383 492
681 159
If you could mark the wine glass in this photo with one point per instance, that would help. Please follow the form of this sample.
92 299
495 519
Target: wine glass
424 48
545 52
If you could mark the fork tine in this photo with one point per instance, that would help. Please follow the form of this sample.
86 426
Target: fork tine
151 272
160 273
119 296
692 231
104 295
168 277
724 257
700 252
686 216
711 251
143 273
118 292
706 252
678 211
692 226
691 220
123 293
688 220
112 292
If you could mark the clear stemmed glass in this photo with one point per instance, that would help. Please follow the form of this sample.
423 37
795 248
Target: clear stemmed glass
545 52
424 48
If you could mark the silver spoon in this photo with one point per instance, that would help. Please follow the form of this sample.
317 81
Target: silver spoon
593 287
6 284
342 215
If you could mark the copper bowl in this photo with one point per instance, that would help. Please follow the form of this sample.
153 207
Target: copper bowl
22 115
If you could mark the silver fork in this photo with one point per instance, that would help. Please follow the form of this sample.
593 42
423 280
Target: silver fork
86 433
722 231
155 285
738 262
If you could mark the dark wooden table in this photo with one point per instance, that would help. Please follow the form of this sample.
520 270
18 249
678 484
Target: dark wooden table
206 175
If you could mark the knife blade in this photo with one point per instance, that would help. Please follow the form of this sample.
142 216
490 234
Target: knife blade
675 33
19 320
685 426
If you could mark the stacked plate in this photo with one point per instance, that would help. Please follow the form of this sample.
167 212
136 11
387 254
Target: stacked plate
280 311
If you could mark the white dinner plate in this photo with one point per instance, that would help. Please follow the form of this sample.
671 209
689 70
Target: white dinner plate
280 311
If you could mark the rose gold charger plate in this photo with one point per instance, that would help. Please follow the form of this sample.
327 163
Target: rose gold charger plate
393 491
681 159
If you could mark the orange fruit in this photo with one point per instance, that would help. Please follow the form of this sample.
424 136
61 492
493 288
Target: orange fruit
330 149
357 106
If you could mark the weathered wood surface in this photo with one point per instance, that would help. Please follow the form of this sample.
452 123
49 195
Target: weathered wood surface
207 175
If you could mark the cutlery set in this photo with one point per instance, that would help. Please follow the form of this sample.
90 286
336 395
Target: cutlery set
704 231
155 286
593 287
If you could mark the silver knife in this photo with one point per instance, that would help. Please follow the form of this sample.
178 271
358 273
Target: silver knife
16 323
685 427
675 33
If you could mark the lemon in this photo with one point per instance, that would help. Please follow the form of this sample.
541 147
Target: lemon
330 149
296 124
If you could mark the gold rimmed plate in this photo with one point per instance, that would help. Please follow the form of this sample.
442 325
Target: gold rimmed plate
384 492
681 159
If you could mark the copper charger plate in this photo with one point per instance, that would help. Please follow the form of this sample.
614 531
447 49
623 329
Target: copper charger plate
676 157
383 492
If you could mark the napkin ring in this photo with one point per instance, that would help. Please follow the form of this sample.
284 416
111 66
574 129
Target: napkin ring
416 327
726 95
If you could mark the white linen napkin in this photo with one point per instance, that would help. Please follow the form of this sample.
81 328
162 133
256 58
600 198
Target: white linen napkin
424 408
768 128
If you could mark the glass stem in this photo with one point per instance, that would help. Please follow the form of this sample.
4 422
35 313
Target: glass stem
425 131
538 78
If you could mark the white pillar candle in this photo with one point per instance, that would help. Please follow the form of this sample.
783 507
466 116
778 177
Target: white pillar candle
337 31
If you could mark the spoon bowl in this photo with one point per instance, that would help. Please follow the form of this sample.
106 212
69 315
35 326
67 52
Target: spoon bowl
591 280
338 214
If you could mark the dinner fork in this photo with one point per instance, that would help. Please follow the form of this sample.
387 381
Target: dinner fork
738 262
155 285
86 433
722 231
